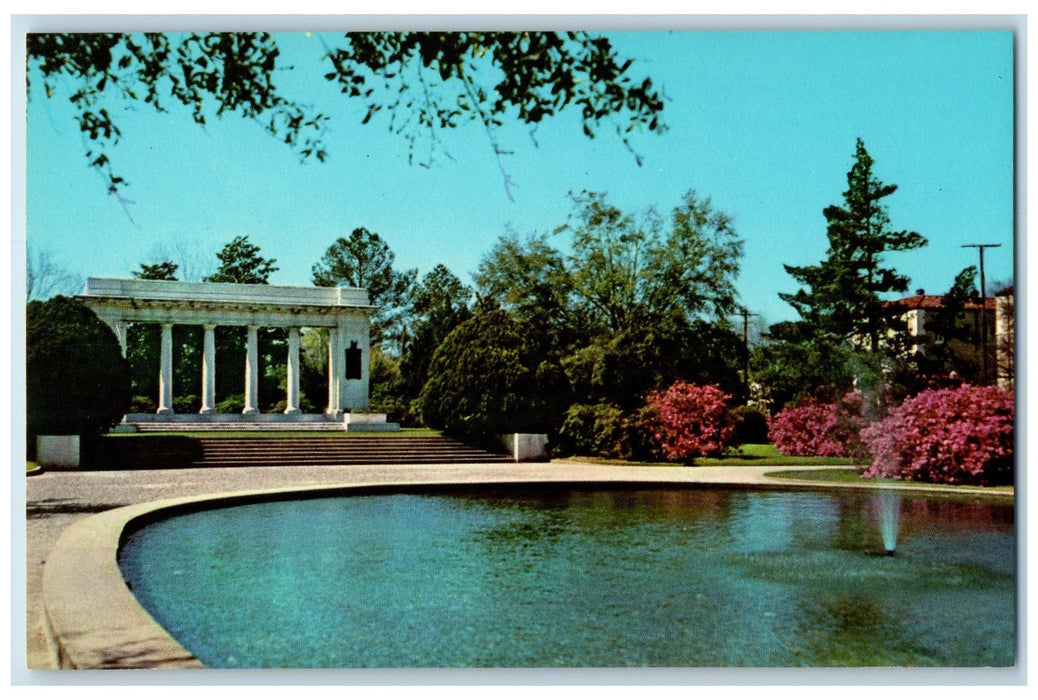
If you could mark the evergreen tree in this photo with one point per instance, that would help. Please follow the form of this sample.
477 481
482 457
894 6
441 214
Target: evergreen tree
241 263
483 380
364 260
841 297
164 270
439 304
955 335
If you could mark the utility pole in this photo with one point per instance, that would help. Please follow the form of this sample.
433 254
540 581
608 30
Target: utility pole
983 308
746 349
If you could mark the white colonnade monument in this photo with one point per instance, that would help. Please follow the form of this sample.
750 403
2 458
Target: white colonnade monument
345 312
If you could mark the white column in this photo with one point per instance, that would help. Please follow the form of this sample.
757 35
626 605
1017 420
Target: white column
251 372
120 334
335 361
166 371
209 370
292 376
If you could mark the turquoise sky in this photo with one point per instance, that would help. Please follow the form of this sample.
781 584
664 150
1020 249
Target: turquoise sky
762 123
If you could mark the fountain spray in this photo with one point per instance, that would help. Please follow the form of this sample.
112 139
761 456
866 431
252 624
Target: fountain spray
889 515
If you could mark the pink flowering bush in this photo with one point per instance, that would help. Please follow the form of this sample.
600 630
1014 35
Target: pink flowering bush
963 435
691 420
817 429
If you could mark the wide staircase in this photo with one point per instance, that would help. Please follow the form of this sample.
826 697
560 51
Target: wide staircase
240 426
178 452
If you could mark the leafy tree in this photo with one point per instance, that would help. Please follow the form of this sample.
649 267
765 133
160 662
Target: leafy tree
955 346
530 279
426 81
625 272
628 274
364 260
622 369
439 304
77 381
313 366
841 297
638 303
241 263
386 387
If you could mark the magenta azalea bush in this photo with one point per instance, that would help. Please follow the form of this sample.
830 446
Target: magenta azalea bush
691 420
963 435
817 429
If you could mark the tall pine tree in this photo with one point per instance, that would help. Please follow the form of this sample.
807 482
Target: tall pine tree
841 297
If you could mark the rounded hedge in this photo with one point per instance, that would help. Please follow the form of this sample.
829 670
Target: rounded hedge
77 380
484 380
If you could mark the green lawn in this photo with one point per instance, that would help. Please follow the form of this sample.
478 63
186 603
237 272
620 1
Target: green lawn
767 454
743 456
846 476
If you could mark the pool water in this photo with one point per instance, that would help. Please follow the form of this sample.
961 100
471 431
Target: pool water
582 578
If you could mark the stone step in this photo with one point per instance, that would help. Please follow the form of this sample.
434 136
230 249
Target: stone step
156 451
300 461
258 452
320 444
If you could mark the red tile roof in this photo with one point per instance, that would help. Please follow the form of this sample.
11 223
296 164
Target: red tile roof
936 301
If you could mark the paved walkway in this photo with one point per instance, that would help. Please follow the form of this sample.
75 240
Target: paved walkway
55 500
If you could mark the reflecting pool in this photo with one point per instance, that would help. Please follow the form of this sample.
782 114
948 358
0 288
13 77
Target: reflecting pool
562 577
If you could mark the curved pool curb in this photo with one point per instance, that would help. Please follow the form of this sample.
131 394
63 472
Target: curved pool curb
93 620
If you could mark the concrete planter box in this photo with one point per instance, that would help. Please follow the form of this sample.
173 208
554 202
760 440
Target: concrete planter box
57 451
526 447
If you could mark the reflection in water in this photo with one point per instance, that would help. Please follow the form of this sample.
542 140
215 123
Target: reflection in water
572 577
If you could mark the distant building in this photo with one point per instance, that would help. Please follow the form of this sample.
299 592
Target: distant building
925 327
1005 338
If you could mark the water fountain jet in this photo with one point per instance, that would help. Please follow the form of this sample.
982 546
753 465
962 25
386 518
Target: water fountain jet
889 515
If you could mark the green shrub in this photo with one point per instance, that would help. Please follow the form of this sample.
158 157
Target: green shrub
77 380
605 430
596 431
235 403
143 404
187 404
305 406
397 410
751 426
